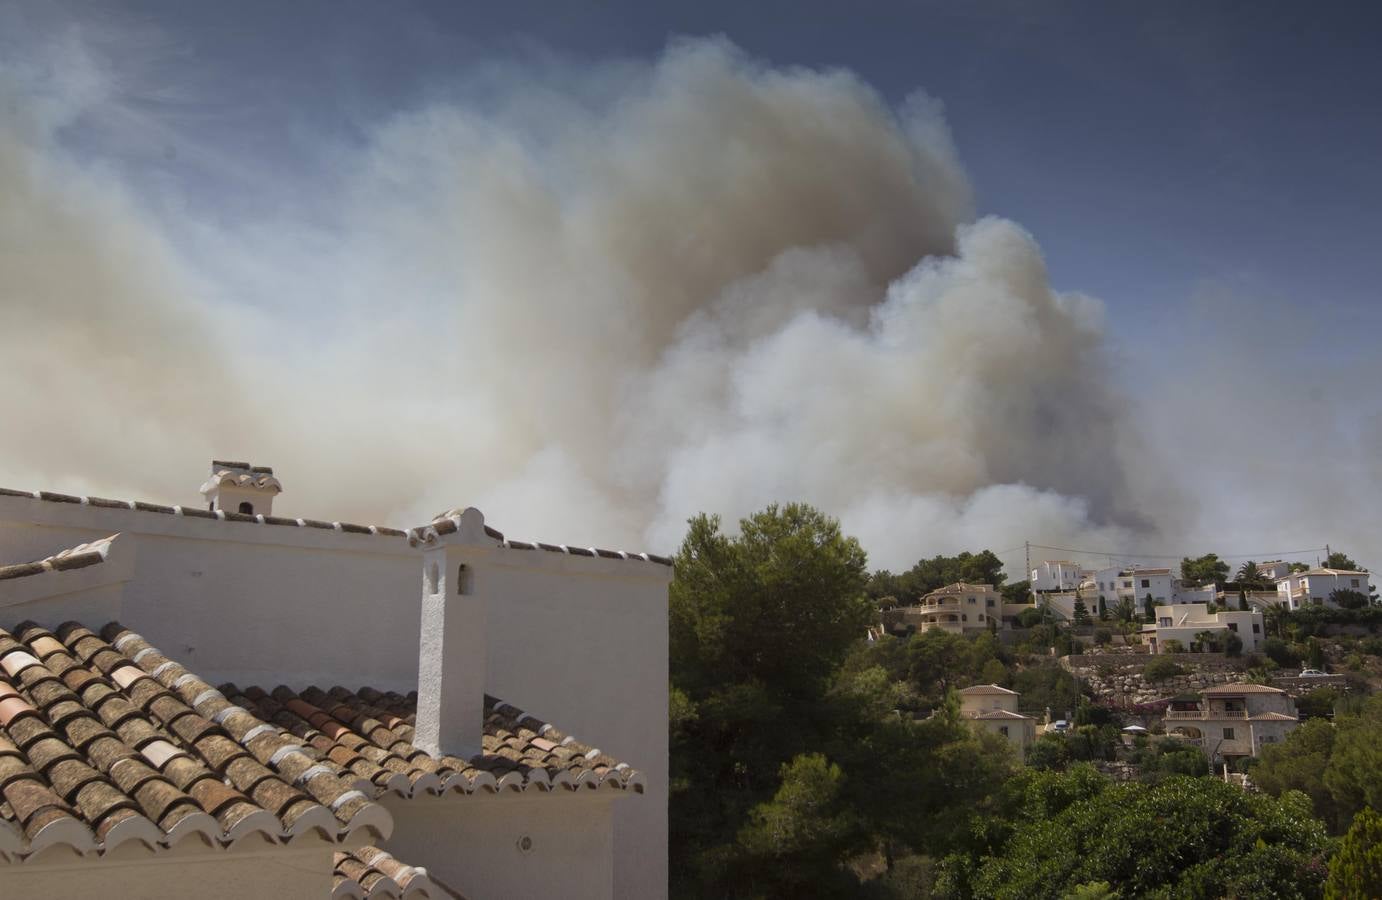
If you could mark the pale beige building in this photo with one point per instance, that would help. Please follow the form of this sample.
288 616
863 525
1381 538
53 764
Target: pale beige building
992 708
1231 721
961 609
1184 622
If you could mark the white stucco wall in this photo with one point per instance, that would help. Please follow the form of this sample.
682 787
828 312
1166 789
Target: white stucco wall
506 846
580 642
178 874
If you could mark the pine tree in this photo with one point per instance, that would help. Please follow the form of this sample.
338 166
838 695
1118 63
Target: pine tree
1356 870
1081 613
1149 609
1103 609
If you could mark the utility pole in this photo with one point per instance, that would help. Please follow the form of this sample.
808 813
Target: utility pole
1031 588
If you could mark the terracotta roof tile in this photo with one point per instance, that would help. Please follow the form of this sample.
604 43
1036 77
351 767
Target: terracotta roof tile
368 872
78 557
95 751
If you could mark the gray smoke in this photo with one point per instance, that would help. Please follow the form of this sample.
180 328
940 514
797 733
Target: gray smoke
590 306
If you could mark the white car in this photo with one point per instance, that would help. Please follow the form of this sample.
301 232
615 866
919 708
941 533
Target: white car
1311 673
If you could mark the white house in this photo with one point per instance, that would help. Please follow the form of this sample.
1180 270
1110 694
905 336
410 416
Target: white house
1055 575
1313 587
1184 622
203 701
1117 583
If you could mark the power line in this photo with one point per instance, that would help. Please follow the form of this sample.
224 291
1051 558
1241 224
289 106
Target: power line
1131 555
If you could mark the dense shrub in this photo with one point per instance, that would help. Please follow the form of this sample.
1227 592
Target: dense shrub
1162 668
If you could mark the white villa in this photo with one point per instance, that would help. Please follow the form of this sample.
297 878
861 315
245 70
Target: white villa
961 609
1313 587
989 707
1233 720
1183 622
210 700
1056 575
1116 584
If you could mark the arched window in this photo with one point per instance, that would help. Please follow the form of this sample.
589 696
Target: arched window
247 507
462 579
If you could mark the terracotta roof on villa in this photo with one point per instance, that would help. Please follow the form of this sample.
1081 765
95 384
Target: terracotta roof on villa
987 689
368 872
445 523
78 557
104 740
1241 689
197 512
960 587
998 714
1272 717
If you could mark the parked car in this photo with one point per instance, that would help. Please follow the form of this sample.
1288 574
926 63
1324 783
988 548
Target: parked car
1311 673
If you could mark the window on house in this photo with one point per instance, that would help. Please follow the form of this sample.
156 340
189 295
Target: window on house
1003 730
964 617
247 507
1164 622
989 602
1355 581
1233 626
1256 629
1228 734
970 599
1127 583
463 579
1146 582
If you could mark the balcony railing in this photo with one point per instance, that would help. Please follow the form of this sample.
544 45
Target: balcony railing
1206 714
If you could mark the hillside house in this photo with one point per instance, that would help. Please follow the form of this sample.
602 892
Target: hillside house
216 701
960 609
1186 622
1232 721
989 707
1313 587
1055 575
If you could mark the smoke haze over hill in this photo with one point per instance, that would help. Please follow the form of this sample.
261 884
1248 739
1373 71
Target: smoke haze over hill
596 302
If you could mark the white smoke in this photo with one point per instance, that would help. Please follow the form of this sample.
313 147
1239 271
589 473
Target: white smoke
592 307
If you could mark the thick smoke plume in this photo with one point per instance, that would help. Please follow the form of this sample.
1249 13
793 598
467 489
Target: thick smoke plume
591 308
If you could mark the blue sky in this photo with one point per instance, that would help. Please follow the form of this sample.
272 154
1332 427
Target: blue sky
1207 171
1150 148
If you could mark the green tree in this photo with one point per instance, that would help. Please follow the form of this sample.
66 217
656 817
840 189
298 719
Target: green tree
1251 577
1347 599
1017 592
1298 764
779 604
1149 609
1339 560
799 837
1080 613
1203 570
759 625
1354 773
1103 609
1183 837
1356 870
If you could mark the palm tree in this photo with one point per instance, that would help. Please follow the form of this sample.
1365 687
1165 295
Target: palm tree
1251 577
1205 640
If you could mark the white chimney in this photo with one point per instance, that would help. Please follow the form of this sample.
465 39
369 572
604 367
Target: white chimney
238 487
452 649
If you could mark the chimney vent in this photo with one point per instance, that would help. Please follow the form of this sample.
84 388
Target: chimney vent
453 646
241 488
